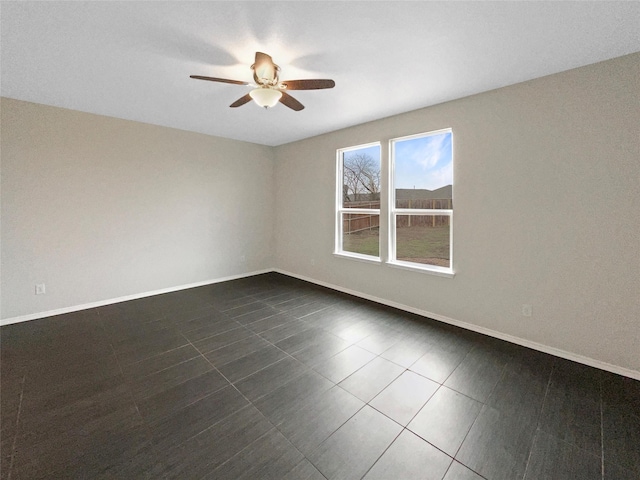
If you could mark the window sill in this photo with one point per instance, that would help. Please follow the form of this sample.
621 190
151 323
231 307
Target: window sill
430 270
359 258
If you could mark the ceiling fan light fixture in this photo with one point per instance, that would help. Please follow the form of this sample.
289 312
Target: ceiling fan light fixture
265 97
268 89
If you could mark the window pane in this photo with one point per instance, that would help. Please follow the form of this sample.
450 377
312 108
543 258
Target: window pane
423 239
361 233
423 172
361 178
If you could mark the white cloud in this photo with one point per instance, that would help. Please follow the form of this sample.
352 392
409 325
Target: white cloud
430 152
440 177
424 162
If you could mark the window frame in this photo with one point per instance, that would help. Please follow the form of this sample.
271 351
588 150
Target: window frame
394 212
340 209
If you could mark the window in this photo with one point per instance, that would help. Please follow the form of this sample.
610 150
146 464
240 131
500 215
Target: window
417 232
358 202
421 203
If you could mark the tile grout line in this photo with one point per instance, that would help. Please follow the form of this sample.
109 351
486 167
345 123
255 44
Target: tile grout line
233 385
15 435
334 386
471 349
145 424
166 368
411 431
238 453
449 467
129 389
332 433
484 404
216 369
250 403
214 335
246 327
402 430
544 402
257 371
230 384
403 427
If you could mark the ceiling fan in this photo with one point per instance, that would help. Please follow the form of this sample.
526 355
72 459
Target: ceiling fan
269 90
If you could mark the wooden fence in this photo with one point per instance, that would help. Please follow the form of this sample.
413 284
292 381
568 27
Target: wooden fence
426 203
403 221
358 222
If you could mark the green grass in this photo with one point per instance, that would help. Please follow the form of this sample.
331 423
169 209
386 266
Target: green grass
428 245
365 242
423 245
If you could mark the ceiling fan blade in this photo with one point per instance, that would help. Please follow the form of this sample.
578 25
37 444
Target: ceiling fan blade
264 68
315 84
221 80
241 101
291 102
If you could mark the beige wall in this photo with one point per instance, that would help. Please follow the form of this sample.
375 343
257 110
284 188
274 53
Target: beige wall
99 208
547 212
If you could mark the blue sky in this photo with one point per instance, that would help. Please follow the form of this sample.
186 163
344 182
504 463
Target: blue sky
424 162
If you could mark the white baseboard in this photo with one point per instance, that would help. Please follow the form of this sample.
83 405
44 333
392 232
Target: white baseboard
101 303
476 328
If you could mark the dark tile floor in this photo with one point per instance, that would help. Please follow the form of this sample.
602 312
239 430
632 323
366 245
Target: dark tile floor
271 377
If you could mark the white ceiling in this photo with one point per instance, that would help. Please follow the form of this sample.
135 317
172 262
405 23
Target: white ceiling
132 60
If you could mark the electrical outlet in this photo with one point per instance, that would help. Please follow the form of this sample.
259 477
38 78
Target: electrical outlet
40 290
313 262
242 259
527 310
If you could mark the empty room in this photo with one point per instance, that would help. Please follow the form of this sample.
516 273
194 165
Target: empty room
320 240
